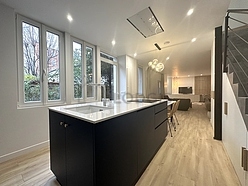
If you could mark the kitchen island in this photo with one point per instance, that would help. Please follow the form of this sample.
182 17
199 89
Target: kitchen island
95 145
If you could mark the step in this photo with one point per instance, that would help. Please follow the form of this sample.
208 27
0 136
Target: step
241 100
238 57
242 103
238 68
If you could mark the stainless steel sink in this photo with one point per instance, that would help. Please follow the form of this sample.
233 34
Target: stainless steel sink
88 109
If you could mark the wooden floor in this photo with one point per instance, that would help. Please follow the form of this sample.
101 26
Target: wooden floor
190 158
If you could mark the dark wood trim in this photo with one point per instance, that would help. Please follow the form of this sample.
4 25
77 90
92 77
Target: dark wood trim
218 85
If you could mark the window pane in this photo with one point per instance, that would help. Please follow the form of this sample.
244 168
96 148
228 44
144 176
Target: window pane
31 62
140 81
53 63
77 69
108 78
89 71
106 56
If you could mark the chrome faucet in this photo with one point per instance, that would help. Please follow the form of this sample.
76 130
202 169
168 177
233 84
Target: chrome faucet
104 91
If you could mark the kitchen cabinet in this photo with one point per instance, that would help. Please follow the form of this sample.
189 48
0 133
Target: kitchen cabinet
71 144
145 137
116 151
202 85
112 152
160 124
57 146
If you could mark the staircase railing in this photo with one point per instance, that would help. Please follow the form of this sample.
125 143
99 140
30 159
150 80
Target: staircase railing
234 55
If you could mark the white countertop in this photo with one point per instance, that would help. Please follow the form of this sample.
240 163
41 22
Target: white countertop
119 108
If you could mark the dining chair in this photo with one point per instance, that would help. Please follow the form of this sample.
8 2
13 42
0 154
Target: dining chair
176 108
170 118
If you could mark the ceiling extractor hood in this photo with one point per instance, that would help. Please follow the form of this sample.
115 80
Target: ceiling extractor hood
146 23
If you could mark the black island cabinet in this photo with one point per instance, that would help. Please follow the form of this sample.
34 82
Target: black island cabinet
109 153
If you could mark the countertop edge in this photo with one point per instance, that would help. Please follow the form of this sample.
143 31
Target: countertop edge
96 118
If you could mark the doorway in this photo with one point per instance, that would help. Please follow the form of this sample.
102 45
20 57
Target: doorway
109 79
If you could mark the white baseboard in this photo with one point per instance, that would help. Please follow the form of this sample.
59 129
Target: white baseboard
23 151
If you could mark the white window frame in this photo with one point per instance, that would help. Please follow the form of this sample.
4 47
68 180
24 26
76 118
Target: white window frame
43 64
84 83
94 98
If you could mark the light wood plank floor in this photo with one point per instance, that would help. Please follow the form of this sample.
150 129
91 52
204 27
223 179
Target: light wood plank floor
190 158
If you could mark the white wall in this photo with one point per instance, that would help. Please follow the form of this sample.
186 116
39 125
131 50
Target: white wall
165 84
169 85
132 75
234 132
20 129
122 75
128 73
182 82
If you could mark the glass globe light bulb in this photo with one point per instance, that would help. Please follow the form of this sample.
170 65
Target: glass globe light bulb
155 61
160 67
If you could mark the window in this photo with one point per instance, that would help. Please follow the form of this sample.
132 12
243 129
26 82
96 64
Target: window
53 66
83 69
77 69
89 70
140 81
40 63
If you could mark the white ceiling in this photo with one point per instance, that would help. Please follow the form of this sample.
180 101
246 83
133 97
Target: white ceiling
100 21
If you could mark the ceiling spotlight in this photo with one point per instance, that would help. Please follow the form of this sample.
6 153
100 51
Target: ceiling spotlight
167 58
190 12
113 42
69 17
166 42
193 40
135 54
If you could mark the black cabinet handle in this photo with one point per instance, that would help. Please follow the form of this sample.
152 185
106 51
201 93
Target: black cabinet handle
61 123
66 125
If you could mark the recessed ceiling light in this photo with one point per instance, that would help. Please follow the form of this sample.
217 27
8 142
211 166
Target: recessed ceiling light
166 42
193 40
167 58
135 54
69 17
190 12
113 42
201 74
